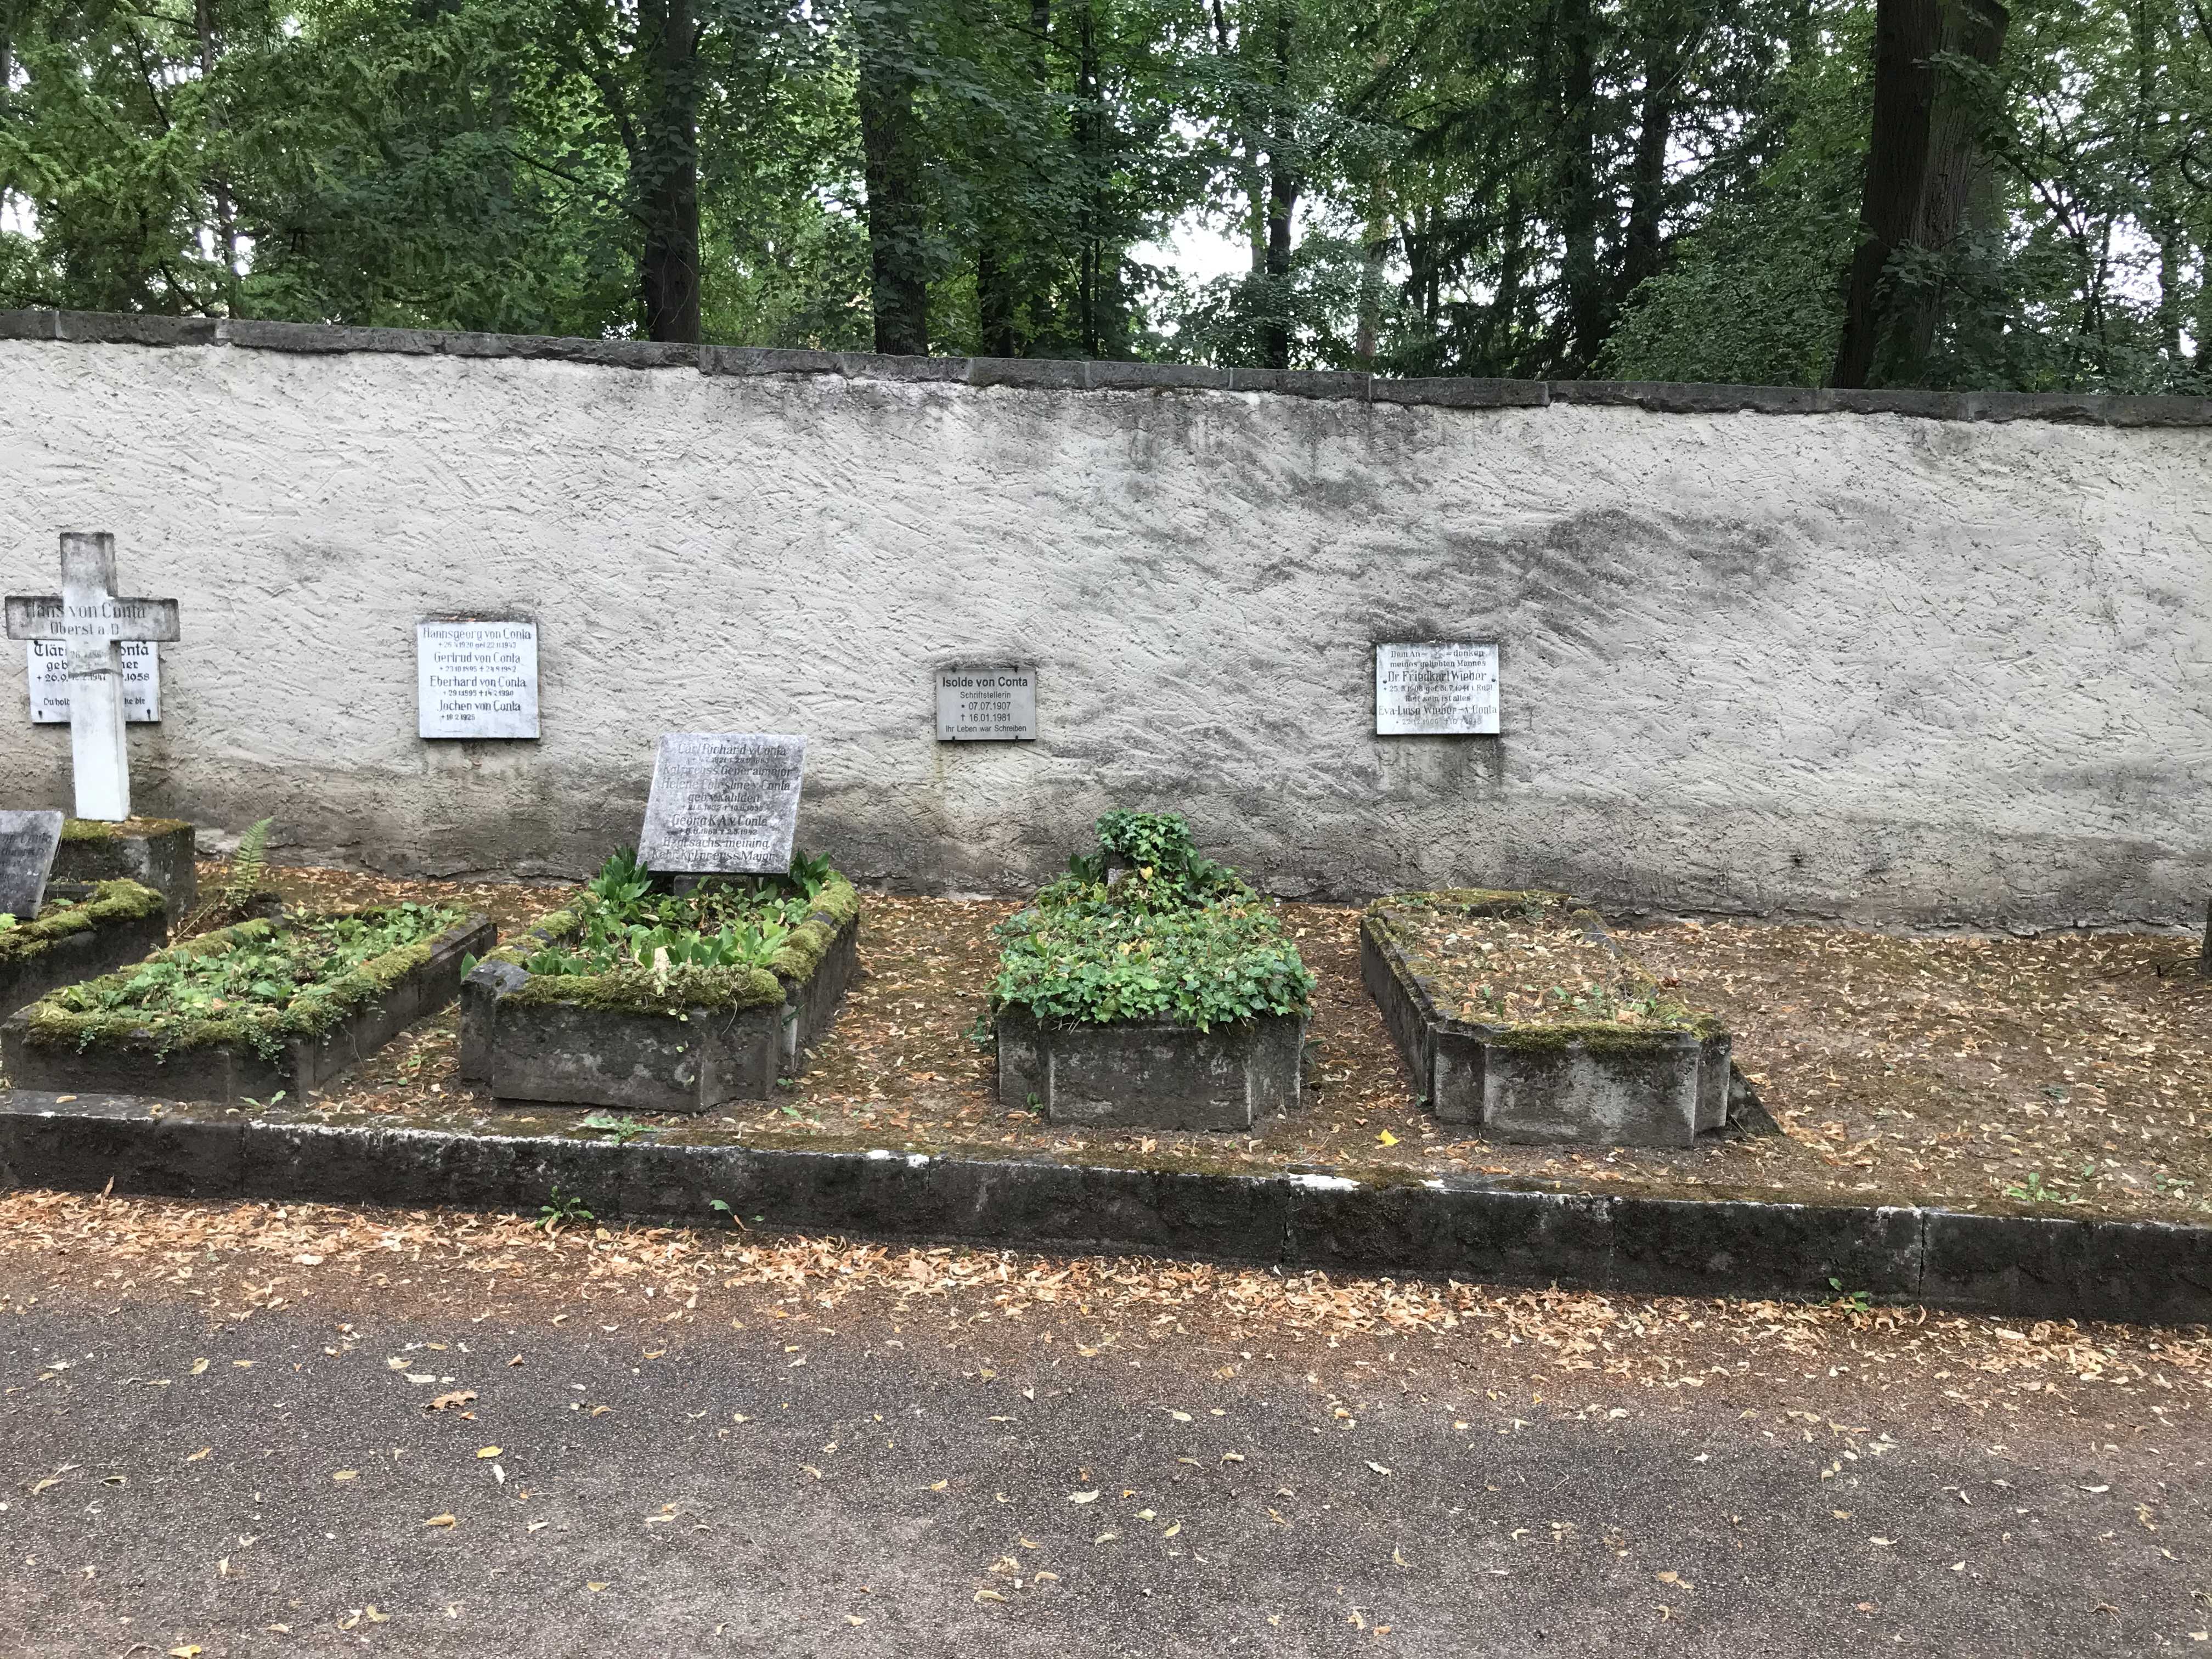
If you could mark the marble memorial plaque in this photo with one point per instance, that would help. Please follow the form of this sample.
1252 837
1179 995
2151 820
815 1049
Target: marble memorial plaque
476 677
1438 688
49 670
723 802
28 840
993 703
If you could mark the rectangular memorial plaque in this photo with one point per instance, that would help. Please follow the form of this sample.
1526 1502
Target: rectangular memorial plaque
28 840
993 703
723 802
49 672
476 677
1436 688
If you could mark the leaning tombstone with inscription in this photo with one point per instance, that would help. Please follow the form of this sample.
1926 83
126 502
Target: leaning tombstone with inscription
56 933
94 664
1149 987
695 970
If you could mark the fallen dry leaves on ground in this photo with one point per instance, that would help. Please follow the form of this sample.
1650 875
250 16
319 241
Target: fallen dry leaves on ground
2068 1071
236 1260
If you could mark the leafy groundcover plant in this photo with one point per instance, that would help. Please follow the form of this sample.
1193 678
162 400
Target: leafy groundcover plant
259 983
724 944
1145 929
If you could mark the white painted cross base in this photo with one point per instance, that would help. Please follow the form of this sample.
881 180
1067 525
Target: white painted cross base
94 622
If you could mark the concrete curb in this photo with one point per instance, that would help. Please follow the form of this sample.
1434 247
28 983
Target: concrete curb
1069 374
2021 1267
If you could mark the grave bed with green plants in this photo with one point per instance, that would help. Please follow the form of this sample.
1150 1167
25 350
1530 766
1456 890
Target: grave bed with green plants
1149 987
1519 1013
643 1000
82 930
261 1008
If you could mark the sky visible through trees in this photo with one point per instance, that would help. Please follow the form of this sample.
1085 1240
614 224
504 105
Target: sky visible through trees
1949 193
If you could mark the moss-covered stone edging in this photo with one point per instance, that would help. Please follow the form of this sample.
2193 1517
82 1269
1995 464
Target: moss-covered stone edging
625 1039
1053 374
345 1020
113 922
1149 1074
2015 1266
156 853
1590 1082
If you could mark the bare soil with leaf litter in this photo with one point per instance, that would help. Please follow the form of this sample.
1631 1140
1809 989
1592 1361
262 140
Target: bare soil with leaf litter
2065 1074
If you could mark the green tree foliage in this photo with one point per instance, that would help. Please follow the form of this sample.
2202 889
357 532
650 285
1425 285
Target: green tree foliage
1635 188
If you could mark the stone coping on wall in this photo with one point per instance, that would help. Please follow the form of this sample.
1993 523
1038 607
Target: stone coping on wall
1066 375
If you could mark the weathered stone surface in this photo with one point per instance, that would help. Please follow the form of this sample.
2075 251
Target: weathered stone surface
723 802
109 942
231 1071
1693 1247
1151 1075
1200 577
28 840
1631 1088
531 1050
159 854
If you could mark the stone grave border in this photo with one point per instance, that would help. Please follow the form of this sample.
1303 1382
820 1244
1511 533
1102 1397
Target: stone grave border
2022 1266
319 339
115 923
409 986
1150 1073
155 852
631 1060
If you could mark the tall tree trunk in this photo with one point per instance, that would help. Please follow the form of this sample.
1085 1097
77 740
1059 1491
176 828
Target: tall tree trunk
1581 204
1282 196
226 217
1647 181
1375 248
898 225
665 165
1921 172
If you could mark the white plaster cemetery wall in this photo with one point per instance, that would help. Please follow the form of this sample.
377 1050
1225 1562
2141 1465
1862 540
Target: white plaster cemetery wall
1868 665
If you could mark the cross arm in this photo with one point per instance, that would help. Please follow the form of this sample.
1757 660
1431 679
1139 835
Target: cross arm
46 617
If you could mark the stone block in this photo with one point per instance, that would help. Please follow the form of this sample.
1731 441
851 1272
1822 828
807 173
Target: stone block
1150 1074
1717 1246
228 1072
35 959
540 1047
1459 392
1451 1228
155 852
1156 377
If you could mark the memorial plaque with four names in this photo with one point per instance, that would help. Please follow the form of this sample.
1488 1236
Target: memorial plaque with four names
28 840
722 803
476 677
993 703
1436 688
50 694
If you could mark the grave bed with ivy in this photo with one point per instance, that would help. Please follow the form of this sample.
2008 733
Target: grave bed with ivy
652 1001
82 930
264 1008
1519 1013
1149 987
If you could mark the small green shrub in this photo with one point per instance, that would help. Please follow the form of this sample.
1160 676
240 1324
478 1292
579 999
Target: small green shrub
1145 929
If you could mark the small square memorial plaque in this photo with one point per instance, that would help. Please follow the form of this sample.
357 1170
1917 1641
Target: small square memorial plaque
50 694
995 703
1436 688
476 677
723 802
28 840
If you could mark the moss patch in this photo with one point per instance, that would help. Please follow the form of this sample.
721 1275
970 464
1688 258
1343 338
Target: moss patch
111 901
94 829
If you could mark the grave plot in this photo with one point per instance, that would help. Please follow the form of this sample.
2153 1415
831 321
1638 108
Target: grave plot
2067 1076
1149 987
1517 1012
155 852
80 932
249 1012
651 1001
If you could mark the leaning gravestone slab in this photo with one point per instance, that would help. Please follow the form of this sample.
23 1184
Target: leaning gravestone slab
723 802
28 840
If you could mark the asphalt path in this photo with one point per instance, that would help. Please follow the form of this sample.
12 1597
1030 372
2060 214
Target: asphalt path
396 1472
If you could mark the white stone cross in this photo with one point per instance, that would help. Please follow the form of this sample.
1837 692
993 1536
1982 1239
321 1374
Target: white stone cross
94 621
